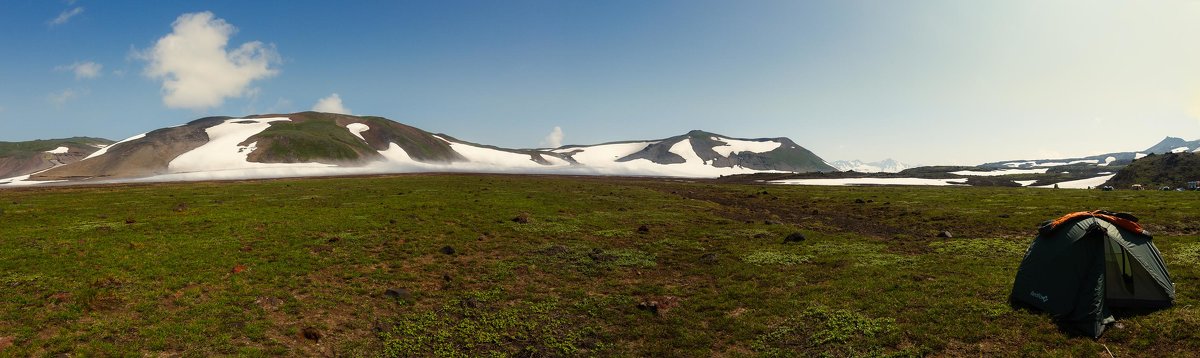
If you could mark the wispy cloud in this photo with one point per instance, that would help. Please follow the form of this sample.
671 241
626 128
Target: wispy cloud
197 71
66 16
331 104
83 70
554 139
59 99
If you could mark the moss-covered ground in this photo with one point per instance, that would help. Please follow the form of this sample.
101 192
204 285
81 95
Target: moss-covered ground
500 265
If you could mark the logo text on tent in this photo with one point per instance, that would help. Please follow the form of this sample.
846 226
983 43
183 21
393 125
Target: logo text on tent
1039 296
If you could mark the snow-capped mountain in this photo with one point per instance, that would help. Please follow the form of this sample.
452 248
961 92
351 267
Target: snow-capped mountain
314 144
884 166
1167 145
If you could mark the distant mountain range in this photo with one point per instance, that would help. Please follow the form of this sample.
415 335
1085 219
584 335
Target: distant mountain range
313 143
1117 159
884 166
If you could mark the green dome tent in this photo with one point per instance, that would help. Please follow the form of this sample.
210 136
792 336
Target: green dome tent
1084 263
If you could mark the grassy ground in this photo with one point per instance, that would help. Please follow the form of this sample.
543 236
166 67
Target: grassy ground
551 266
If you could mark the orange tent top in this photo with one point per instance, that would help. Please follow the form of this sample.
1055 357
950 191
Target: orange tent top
1118 221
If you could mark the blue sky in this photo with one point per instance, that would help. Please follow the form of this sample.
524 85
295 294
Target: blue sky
931 82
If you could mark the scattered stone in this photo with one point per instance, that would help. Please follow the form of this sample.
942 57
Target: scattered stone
523 218
470 302
708 258
651 306
945 234
643 229
599 255
447 250
398 293
860 201
659 305
553 250
181 207
312 334
794 237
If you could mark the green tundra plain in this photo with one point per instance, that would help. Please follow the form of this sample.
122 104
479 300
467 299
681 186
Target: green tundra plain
463 265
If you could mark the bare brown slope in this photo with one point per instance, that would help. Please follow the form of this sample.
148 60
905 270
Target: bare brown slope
21 158
138 158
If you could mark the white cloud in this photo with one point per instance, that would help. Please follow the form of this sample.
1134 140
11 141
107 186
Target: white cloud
58 99
83 70
331 104
66 16
197 71
554 139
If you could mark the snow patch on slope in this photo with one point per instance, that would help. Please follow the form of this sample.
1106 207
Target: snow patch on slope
357 128
1081 183
222 152
870 181
737 146
684 149
59 150
604 154
1000 172
105 149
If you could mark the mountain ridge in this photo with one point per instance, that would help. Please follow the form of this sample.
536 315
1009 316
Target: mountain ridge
315 143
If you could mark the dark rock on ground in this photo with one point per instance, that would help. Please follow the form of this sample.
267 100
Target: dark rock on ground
770 222
523 218
708 258
447 250
794 237
1004 216
650 306
599 255
398 293
945 234
312 334
643 229
860 201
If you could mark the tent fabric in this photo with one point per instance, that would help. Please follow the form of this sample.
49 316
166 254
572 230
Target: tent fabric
1084 263
1129 222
